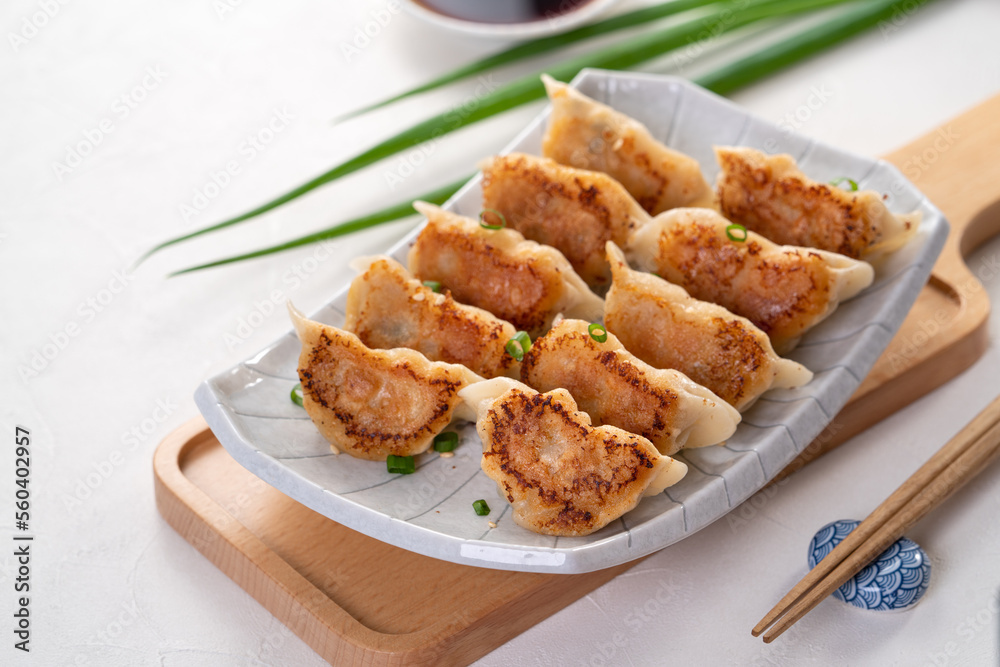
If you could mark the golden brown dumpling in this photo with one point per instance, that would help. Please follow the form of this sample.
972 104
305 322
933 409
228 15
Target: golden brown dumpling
784 290
573 210
659 323
586 134
372 403
561 475
769 195
388 308
615 387
520 281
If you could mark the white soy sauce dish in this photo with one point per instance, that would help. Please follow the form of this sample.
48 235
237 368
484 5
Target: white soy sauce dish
507 19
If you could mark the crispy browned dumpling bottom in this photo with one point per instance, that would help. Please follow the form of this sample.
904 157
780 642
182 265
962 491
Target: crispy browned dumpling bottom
372 403
573 210
388 308
784 290
561 475
520 281
769 195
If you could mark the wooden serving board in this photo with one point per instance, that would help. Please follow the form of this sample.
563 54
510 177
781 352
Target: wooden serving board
335 587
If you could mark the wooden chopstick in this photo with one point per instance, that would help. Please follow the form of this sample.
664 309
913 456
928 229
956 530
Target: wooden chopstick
931 470
965 455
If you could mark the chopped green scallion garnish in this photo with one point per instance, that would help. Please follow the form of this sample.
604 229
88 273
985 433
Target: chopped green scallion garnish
524 339
598 332
486 225
482 509
519 345
402 465
853 184
434 285
297 394
736 233
445 442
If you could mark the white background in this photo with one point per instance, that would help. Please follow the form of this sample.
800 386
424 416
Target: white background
112 584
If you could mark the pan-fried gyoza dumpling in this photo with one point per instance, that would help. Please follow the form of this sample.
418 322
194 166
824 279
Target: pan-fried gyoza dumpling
561 475
573 210
784 290
520 281
771 196
615 387
389 308
586 134
372 403
659 323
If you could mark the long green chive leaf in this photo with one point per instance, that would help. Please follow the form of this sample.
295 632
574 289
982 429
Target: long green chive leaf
736 233
482 509
798 47
433 285
297 394
445 442
400 465
486 225
722 17
852 184
598 332
536 47
396 212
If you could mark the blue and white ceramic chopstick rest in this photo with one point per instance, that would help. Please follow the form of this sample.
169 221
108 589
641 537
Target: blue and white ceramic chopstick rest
894 581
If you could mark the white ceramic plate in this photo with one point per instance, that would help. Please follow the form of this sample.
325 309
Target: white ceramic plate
430 512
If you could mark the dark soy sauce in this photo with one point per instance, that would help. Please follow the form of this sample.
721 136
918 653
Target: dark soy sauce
502 11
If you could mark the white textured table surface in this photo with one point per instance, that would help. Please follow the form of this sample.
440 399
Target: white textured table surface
118 118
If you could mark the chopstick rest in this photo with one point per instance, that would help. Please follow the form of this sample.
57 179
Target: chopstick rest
964 457
894 581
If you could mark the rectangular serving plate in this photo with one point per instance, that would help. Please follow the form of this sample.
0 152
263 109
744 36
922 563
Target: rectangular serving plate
430 512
